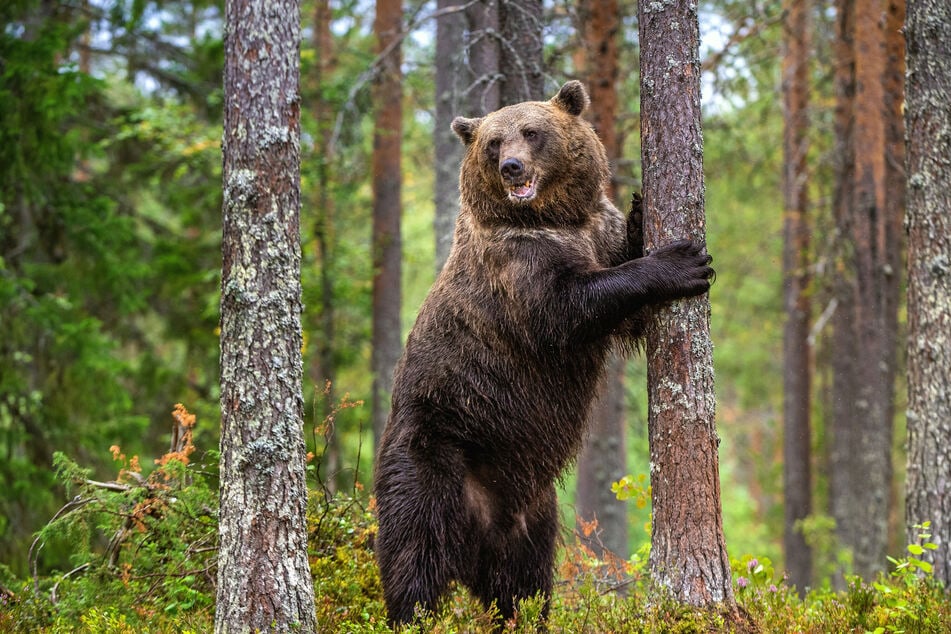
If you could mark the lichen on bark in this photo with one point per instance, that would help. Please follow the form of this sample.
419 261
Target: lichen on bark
688 552
928 167
264 581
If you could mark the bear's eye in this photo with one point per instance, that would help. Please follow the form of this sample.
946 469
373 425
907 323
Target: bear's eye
529 135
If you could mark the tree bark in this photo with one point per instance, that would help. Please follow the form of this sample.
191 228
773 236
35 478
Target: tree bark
387 208
450 90
843 364
895 206
688 552
603 459
797 375
264 581
482 47
865 341
928 120
520 58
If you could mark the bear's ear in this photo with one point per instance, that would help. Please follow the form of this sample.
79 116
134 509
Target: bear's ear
465 129
572 98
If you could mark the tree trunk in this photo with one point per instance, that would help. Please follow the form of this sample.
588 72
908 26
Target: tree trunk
842 345
688 552
520 58
482 47
604 457
865 343
895 205
597 60
928 118
797 376
388 97
264 581
450 90
603 461
323 367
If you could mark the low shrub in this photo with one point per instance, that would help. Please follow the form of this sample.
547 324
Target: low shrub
144 553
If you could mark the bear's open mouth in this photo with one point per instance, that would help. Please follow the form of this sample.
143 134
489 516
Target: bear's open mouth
523 192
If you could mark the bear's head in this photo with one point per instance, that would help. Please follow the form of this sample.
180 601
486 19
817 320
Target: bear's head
536 161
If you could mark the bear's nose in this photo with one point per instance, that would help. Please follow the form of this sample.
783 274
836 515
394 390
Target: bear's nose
512 169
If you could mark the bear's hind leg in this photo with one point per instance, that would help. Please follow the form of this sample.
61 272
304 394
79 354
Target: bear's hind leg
418 542
520 563
412 588
416 566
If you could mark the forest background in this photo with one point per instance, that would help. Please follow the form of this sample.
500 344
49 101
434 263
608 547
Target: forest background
110 239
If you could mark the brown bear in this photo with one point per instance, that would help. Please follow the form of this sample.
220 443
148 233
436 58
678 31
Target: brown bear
491 395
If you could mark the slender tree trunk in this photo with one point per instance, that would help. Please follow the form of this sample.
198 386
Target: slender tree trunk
842 340
928 117
85 40
688 552
895 205
388 97
604 457
520 57
323 370
482 46
866 321
264 581
599 59
797 376
602 462
450 90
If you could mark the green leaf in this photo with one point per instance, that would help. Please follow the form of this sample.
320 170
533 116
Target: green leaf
924 566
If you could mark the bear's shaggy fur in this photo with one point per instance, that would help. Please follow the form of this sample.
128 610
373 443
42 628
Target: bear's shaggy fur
492 392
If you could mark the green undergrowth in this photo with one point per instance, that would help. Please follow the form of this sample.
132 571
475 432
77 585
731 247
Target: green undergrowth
144 561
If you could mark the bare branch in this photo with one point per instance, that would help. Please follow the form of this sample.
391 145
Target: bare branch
748 28
109 486
822 321
376 65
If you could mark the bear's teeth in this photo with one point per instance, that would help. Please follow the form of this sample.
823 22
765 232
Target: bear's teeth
523 192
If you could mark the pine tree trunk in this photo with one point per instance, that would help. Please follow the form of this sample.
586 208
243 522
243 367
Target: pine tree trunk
603 460
865 344
928 119
323 367
482 51
842 343
688 552
450 91
895 208
604 457
387 208
797 375
520 57
264 581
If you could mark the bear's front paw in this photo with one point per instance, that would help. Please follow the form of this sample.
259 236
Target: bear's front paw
684 269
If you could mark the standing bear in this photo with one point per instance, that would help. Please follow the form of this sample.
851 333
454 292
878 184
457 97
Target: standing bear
492 393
